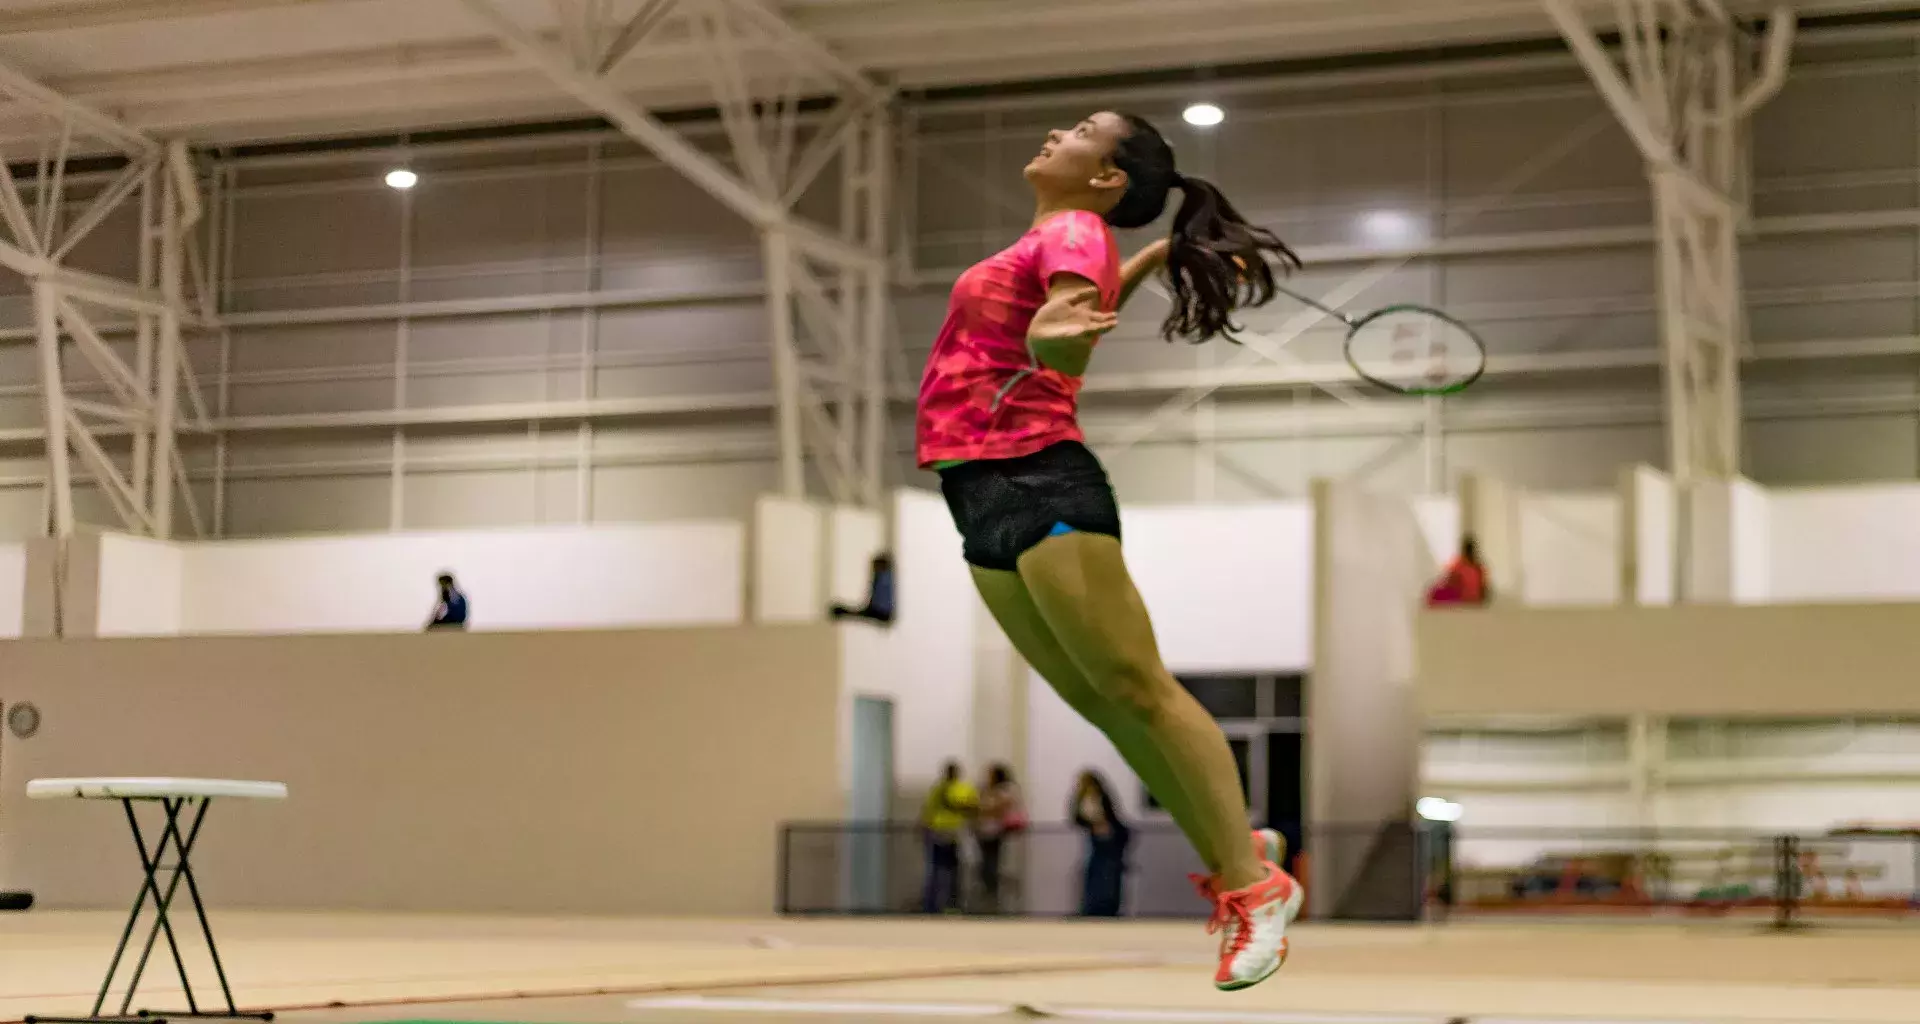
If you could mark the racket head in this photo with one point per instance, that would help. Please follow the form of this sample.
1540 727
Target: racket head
1415 350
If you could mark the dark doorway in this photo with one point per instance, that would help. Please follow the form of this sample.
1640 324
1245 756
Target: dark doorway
1287 787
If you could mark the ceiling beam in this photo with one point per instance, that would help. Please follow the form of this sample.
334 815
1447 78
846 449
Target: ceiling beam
86 14
89 120
810 48
632 34
468 78
639 124
631 118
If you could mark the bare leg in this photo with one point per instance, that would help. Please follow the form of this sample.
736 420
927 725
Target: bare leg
1080 585
1006 597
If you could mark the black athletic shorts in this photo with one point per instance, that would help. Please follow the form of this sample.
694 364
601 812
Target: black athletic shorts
1004 507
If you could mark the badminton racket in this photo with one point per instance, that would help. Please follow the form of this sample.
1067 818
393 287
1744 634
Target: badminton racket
1409 349
1406 348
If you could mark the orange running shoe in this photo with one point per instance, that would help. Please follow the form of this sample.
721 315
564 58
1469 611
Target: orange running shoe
1252 922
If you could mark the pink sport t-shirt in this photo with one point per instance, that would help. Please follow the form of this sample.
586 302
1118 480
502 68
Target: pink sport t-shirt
984 395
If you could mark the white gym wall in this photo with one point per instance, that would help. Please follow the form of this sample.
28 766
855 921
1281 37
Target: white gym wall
650 574
1808 735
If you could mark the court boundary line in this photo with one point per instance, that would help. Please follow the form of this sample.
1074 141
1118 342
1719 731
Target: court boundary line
660 988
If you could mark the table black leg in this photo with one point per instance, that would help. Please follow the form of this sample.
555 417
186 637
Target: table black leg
213 948
183 869
181 844
206 930
148 885
163 904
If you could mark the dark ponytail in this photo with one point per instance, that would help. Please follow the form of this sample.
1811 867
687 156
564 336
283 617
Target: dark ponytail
1217 262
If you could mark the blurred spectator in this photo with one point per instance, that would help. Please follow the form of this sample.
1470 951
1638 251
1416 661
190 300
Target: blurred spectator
1465 582
1107 839
950 804
1002 814
450 612
879 606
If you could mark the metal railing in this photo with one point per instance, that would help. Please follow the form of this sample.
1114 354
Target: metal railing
1397 871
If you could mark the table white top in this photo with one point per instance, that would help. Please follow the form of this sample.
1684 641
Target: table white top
153 789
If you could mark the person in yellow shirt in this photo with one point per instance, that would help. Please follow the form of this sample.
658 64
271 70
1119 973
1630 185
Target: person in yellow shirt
950 806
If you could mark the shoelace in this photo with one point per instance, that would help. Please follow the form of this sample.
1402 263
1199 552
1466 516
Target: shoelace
1232 914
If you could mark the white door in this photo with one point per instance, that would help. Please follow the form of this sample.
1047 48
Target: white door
868 805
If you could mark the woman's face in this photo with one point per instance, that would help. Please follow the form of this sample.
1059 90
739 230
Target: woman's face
1080 159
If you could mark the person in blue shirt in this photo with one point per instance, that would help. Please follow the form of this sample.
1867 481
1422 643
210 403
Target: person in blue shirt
879 606
451 610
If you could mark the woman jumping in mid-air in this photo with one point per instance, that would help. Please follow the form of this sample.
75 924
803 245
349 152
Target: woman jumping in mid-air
1040 525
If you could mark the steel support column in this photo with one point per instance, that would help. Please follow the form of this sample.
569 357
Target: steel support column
788 387
877 336
53 399
1684 84
141 407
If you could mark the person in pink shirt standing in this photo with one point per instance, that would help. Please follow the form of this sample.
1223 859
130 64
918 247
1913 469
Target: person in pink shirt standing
1039 524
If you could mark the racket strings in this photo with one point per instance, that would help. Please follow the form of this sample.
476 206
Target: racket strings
1415 350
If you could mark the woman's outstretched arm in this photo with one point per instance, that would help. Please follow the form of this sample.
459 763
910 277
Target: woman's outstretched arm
1068 325
1143 265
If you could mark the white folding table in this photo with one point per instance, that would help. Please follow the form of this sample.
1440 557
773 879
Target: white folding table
177 840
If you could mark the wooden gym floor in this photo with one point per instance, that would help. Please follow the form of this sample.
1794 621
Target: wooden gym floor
350 969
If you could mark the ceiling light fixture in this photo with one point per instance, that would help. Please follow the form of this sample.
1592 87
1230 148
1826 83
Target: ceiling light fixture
1203 115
